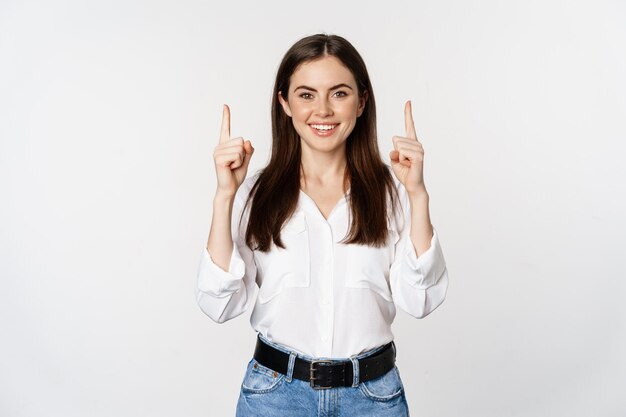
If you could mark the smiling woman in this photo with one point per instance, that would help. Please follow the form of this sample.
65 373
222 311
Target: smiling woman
333 237
321 107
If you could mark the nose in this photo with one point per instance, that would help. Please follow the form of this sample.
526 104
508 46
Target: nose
323 108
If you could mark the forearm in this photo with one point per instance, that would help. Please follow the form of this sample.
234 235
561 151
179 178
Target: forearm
220 243
421 228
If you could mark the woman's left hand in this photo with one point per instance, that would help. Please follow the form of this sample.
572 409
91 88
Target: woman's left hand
407 158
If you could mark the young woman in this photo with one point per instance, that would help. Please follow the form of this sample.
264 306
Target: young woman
332 238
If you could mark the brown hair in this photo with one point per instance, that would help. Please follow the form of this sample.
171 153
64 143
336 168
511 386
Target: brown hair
277 189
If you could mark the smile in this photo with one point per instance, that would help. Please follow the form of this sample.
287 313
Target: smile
324 129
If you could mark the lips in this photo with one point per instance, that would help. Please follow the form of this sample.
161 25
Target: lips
323 129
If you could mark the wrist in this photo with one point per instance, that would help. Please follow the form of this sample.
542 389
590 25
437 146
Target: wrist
419 194
223 197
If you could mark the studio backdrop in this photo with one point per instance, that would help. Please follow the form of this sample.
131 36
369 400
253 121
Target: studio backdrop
109 114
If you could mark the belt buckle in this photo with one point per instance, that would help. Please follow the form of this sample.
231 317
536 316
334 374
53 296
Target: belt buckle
312 372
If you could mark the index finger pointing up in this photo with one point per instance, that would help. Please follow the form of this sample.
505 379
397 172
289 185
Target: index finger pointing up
225 133
408 121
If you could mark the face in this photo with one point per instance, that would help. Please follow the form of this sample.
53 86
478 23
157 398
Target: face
323 103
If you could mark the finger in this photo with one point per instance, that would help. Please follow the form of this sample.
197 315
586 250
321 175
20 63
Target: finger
247 146
410 155
406 150
229 159
231 143
230 151
408 121
236 164
249 151
399 140
225 133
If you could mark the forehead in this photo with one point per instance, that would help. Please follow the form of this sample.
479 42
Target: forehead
322 73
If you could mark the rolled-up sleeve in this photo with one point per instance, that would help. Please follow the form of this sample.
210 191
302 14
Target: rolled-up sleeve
419 284
223 295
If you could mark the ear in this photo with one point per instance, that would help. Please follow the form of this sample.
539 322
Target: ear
362 101
284 103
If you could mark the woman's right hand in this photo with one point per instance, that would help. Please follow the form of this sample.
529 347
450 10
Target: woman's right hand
232 157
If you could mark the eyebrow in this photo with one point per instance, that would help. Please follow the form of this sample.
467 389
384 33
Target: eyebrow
313 89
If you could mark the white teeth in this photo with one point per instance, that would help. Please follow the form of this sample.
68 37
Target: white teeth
323 127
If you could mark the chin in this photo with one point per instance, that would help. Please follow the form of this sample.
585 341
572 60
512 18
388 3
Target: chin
323 146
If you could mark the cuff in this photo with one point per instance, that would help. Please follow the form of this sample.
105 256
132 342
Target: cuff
424 271
214 280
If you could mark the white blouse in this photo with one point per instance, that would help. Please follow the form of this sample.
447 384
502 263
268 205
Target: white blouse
320 297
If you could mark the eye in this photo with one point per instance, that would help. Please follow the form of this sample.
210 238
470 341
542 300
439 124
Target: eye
306 95
341 93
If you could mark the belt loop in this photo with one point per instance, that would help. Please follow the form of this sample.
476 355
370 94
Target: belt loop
292 361
355 371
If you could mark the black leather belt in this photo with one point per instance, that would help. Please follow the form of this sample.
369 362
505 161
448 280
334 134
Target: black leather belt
323 374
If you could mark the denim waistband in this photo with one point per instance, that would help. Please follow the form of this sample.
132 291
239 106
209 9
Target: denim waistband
286 349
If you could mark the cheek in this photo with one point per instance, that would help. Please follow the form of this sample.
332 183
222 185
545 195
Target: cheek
349 113
299 119
350 107
299 113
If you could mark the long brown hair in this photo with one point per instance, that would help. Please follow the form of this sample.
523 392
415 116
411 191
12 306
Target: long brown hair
277 188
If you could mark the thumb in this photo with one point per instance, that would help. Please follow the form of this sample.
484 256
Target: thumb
247 145
394 156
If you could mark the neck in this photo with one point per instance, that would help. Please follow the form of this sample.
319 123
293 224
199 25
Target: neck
321 169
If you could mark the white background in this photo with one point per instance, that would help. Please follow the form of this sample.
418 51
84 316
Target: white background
109 113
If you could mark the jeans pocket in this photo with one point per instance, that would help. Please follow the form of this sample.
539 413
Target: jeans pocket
260 379
383 388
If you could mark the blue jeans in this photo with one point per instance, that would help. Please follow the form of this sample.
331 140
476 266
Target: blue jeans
266 393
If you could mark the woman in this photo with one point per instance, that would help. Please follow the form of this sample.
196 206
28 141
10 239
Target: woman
331 237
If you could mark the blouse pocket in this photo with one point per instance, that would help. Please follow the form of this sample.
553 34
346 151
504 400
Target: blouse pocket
368 266
289 267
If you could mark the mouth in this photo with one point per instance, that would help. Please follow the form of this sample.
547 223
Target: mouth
324 129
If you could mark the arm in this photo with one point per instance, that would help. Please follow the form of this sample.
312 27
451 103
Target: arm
418 275
421 228
227 271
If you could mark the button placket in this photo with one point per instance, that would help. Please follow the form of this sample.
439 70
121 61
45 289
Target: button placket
328 295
